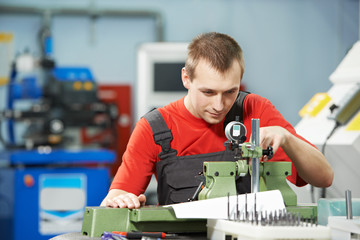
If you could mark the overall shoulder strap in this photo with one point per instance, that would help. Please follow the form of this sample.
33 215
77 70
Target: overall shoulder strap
161 133
236 110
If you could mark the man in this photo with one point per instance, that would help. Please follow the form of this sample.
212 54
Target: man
212 75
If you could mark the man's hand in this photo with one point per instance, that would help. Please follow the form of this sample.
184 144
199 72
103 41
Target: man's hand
309 162
117 198
274 136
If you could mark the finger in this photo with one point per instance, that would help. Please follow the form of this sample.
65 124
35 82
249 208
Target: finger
121 201
111 203
265 141
276 144
142 199
132 201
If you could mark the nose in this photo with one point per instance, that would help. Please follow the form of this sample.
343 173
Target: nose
218 103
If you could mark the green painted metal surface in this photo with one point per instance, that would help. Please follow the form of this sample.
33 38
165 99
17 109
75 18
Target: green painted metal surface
146 219
220 180
273 176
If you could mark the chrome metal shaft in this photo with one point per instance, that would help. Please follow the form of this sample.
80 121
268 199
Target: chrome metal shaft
255 129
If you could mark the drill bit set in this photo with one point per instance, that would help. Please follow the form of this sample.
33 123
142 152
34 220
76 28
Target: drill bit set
249 223
278 217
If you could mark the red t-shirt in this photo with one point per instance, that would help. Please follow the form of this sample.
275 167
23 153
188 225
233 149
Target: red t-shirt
191 136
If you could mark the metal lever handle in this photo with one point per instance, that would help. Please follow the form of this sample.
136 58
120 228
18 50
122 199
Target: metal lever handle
268 152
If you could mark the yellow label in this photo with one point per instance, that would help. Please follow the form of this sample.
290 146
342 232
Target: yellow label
315 105
6 37
3 80
354 125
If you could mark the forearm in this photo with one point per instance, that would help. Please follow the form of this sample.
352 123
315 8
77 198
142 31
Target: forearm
309 162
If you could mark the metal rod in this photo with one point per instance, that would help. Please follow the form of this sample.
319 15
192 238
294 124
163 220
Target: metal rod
84 11
255 175
246 210
237 207
228 205
348 204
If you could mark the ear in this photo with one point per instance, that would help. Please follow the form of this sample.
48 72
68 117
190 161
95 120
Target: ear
185 78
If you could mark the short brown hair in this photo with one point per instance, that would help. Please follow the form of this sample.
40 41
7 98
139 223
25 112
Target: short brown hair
220 50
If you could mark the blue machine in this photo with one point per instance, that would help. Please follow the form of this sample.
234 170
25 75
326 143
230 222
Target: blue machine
44 194
45 185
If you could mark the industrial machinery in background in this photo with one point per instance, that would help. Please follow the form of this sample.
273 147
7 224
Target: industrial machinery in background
331 121
58 168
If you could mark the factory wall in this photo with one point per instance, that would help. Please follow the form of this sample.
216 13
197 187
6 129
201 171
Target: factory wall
290 47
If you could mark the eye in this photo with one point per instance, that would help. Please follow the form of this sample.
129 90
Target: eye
208 92
230 92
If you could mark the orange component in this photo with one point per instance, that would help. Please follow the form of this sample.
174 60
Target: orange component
77 85
29 180
88 86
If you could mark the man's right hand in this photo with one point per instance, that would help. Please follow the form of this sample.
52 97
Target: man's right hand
117 198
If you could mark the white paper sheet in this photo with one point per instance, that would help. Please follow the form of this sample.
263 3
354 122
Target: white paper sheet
217 208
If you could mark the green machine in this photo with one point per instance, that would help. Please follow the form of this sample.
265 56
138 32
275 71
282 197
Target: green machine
219 182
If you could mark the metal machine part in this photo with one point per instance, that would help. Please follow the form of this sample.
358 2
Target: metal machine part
235 131
68 99
255 176
219 182
349 214
146 219
331 121
347 107
285 226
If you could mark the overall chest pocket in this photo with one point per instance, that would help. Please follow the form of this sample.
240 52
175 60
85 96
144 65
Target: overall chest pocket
179 178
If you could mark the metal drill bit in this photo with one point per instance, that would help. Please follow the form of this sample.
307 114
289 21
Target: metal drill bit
288 219
293 218
266 218
237 207
255 212
246 210
271 219
298 220
349 214
228 205
283 217
263 219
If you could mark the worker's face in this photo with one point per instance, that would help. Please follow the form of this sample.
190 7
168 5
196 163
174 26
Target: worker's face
211 94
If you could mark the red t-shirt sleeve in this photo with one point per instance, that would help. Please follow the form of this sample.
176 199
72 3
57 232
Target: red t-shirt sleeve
259 107
138 161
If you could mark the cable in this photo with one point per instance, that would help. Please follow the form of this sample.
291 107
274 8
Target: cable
337 124
323 190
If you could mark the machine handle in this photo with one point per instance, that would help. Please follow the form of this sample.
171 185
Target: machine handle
268 152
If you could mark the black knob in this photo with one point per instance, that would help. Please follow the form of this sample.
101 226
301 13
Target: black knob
268 152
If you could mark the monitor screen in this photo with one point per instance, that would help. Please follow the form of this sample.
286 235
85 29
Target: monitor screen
159 75
167 77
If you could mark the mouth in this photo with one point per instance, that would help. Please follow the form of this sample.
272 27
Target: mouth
215 115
